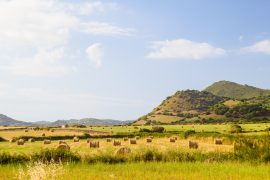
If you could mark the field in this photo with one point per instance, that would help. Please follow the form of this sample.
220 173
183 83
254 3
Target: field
222 128
160 159
153 171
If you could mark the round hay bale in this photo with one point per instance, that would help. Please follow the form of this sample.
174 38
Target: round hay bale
62 142
20 142
172 140
218 141
76 139
47 141
123 151
193 145
31 140
116 143
137 137
52 130
63 147
94 144
13 140
148 140
43 134
26 130
133 141
108 140
125 138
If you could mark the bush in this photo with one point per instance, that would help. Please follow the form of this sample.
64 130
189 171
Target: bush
56 155
2 139
188 133
6 158
235 128
145 130
158 129
250 148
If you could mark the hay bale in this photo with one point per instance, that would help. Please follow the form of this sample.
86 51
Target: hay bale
108 140
52 130
26 130
94 144
63 147
125 138
31 140
133 141
76 139
172 140
193 145
116 143
20 142
218 141
148 140
137 137
62 142
47 141
43 134
123 151
13 140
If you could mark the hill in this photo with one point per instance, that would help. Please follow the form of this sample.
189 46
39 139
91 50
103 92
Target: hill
90 121
236 91
181 105
223 101
7 121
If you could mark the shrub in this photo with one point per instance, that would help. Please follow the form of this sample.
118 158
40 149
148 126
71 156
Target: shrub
235 128
6 158
145 130
158 129
2 139
56 155
188 133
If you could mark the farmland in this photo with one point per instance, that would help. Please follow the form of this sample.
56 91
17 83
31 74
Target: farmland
154 171
159 159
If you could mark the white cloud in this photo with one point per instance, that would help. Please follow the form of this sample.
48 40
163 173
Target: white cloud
34 23
95 54
45 63
36 29
259 47
101 28
87 8
183 49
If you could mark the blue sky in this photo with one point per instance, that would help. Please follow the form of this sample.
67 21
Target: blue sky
119 59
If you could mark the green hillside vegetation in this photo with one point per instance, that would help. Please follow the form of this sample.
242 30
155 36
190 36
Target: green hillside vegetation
236 91
192 106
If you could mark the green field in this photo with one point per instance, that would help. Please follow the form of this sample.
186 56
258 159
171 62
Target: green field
160 159
222 128
153 171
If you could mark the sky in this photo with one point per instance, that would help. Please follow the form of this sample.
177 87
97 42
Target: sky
119 59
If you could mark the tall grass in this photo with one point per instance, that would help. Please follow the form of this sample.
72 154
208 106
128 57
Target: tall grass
141 170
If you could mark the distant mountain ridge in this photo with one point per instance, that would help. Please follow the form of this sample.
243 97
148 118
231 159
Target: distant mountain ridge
7 121
236 91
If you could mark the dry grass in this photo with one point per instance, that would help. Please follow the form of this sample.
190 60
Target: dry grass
82 147
16 133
